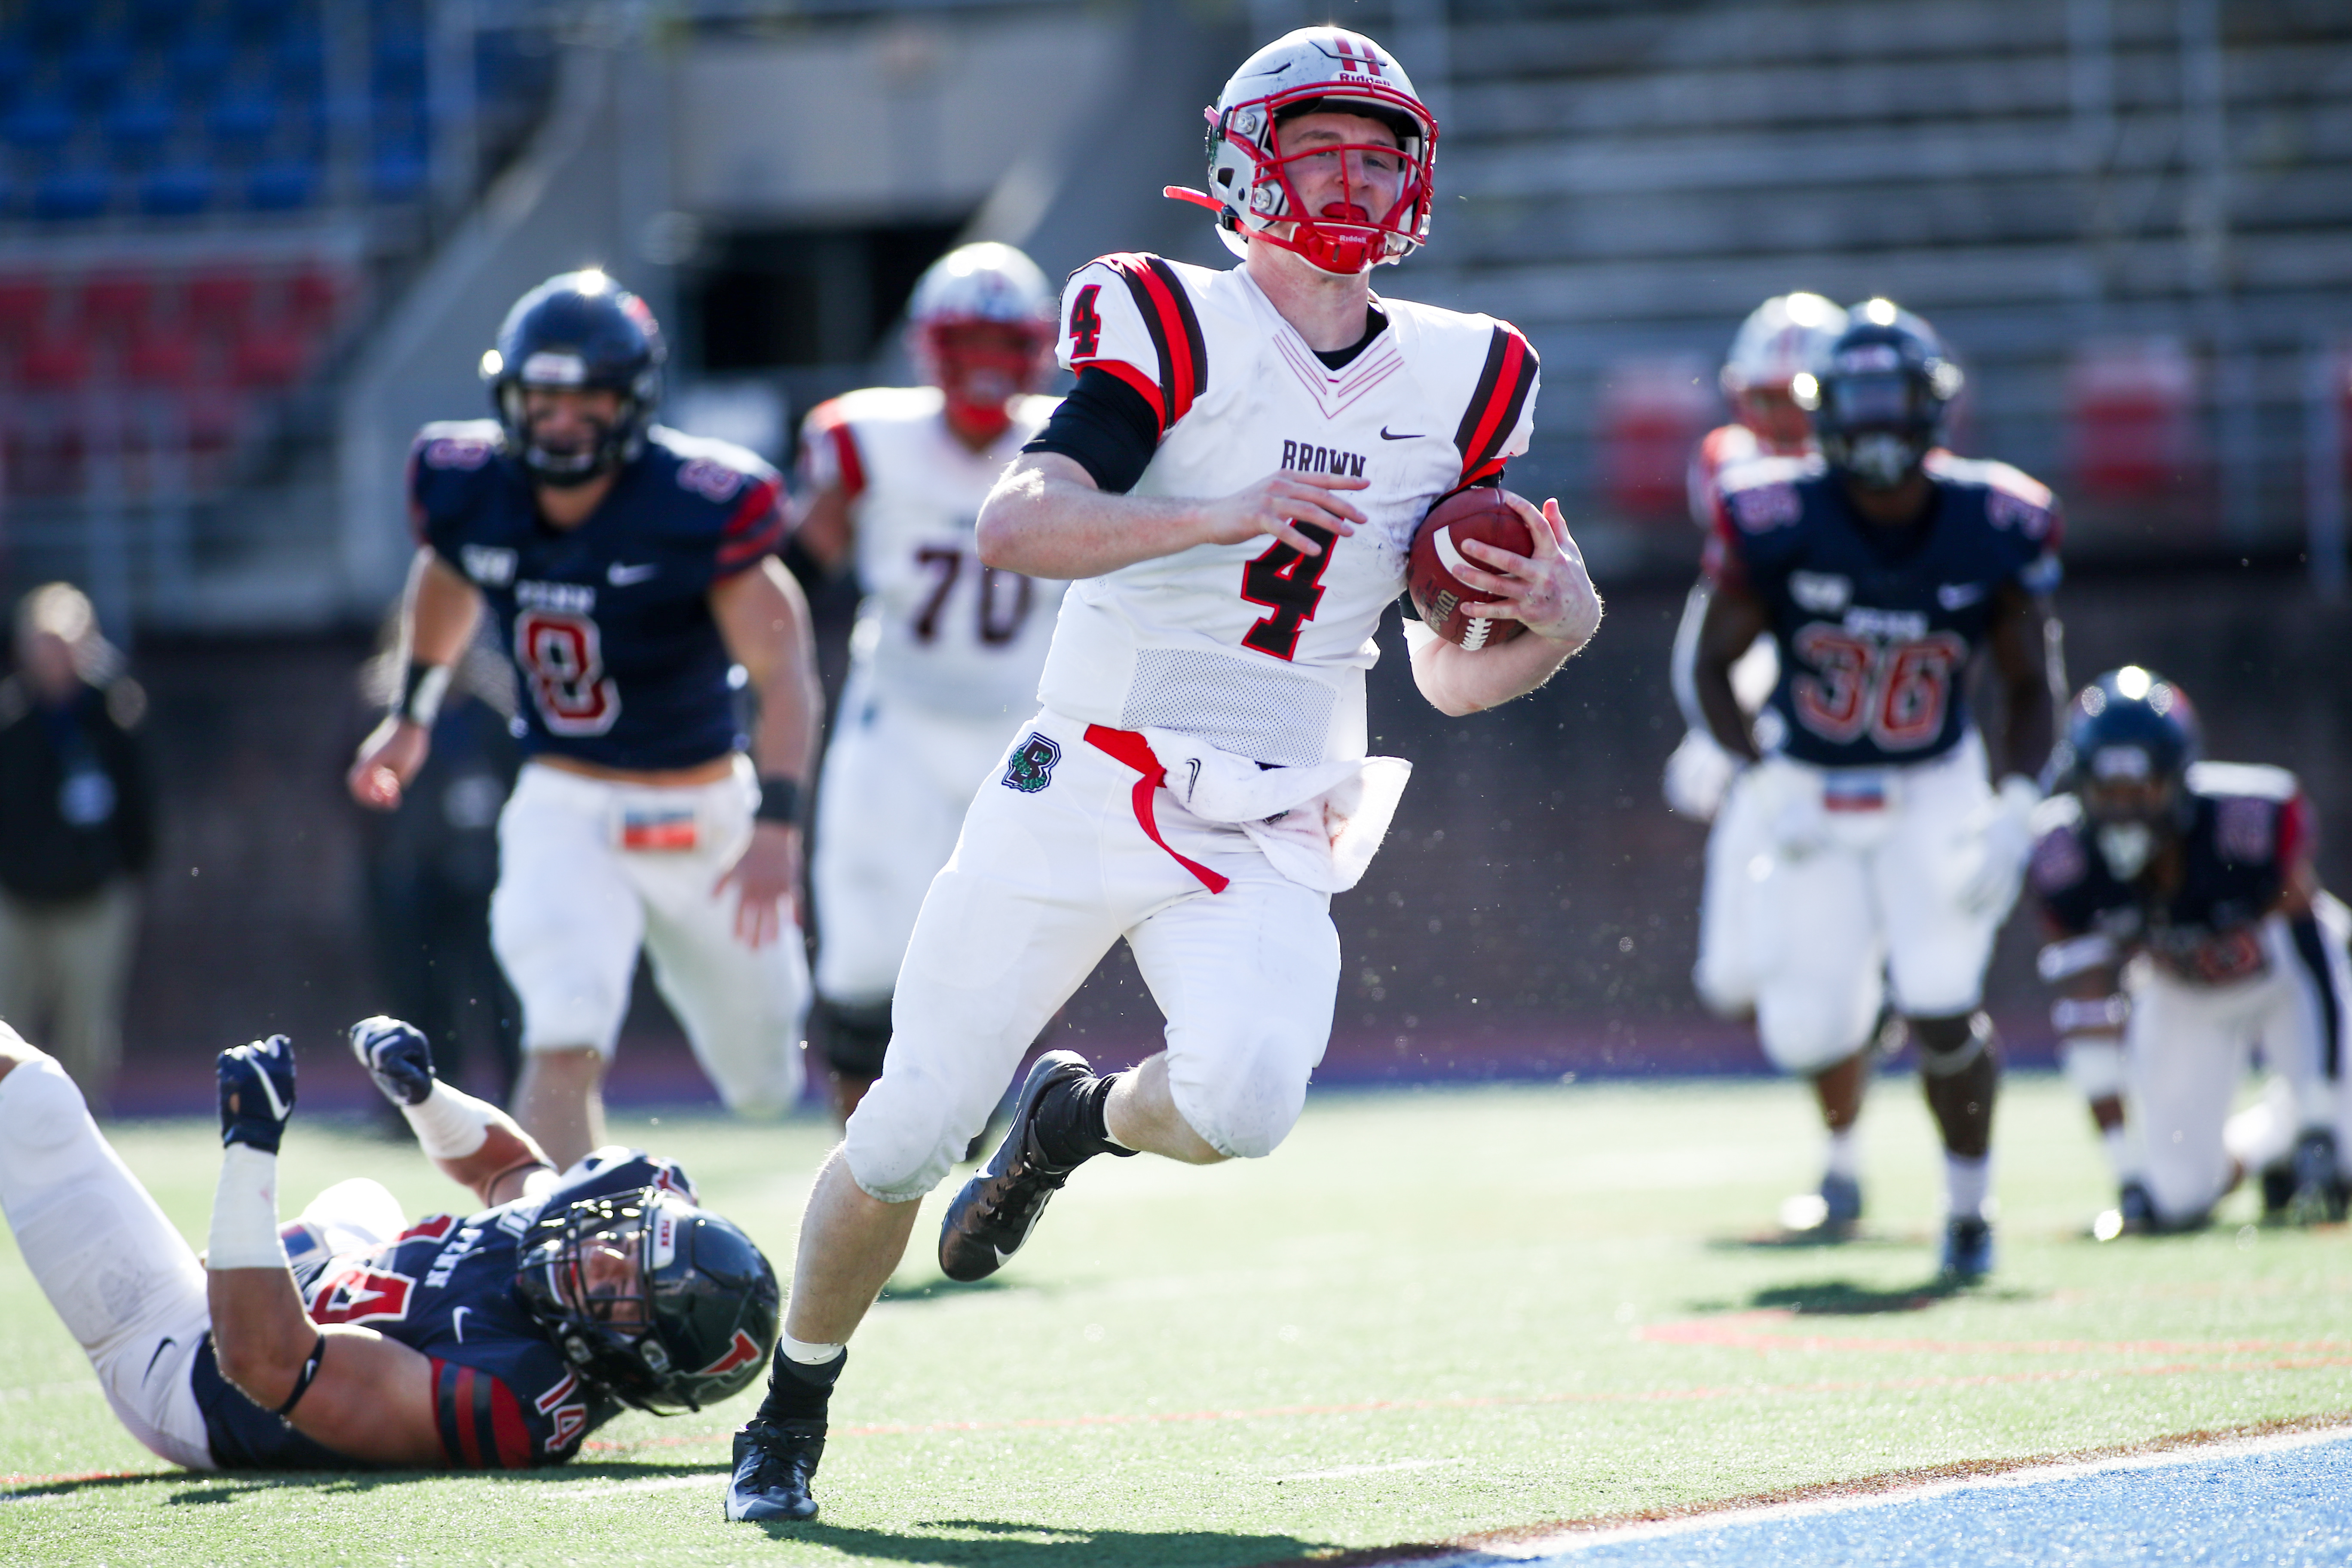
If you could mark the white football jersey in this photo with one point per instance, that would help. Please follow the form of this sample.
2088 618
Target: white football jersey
1251 647
935 629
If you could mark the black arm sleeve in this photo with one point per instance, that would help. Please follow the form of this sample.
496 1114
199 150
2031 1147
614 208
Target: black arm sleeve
1106 427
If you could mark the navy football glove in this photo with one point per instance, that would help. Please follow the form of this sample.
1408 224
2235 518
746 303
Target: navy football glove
396 1055
257 1092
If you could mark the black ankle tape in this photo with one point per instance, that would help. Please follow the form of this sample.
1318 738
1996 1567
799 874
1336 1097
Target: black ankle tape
1070 1125
797 1391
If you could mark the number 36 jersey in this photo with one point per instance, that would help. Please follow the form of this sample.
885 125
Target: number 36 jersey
1875 625
1255 648
609 624
936 629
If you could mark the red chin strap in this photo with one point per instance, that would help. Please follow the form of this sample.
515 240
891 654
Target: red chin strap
983 421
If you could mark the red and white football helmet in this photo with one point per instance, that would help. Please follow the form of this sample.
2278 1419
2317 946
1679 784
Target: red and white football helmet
1250 190
1780 340
981 320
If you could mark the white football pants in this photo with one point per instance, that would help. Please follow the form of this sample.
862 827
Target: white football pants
1737 850
1851 899
128 1286
2187 1048
1041 883
896 783
575 902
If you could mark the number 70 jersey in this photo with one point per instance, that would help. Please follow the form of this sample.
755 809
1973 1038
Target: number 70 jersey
936 629
1256 647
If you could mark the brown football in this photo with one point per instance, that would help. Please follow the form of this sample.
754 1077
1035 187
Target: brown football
1482 513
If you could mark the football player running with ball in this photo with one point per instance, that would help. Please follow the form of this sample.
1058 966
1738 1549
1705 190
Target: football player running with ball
946 655
632 572
1882 571
1779 341
349 1338
2205 869
1234 485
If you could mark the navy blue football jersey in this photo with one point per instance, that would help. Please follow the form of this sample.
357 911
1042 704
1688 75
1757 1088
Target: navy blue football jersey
2250 828
1876 626
609 624
504 1396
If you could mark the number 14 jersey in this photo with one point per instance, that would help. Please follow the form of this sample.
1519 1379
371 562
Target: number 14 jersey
1255 648
1876 626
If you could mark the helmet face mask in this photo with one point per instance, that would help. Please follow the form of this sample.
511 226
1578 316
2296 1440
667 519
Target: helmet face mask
981 324
1303 198
2131 736
1878 396
1781 340
664 1306
576 331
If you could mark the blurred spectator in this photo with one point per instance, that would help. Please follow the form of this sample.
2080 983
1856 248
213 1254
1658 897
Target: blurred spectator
76 830
431 866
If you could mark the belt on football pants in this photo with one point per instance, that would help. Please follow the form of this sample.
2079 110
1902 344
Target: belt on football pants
1126 747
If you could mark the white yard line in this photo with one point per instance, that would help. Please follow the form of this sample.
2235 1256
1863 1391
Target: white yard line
592 1490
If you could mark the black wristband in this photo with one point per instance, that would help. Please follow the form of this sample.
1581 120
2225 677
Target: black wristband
421 693
302 1383
779 800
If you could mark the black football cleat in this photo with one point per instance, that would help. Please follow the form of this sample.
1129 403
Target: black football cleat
1968 1250
998 1208
774 1463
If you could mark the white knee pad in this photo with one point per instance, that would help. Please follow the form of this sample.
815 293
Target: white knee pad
906 1135
1248 1106
2095 1068
1805 1032
357 1214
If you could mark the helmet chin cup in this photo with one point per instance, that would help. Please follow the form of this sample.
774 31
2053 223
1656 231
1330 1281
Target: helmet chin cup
1878 459
2125 847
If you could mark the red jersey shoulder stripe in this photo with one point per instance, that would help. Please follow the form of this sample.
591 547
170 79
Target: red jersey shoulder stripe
757 529
1504 384
1175 328
480 1420
827 420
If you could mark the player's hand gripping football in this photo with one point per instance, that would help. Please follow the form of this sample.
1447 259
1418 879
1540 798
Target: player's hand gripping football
396 1055
1278 503
388 758
257 1092
767 881
1549 591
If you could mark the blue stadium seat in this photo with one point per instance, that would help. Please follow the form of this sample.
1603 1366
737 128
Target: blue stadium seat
299 59
397 70
57 21
178 192
159 20
242 117
397 173
284 185
262 19
39 125
67 194
139 125
200 62
96 67
16 63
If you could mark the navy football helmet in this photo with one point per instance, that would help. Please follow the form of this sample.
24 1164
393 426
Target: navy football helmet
664 1306
2130 738
1878 395
577 330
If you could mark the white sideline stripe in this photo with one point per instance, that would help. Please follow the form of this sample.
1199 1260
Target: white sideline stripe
1340 1472
1543 1551
590 1489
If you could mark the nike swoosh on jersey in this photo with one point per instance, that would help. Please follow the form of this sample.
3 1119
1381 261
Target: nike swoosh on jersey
1409 436
457 1322
168 1343
1959 595
621 576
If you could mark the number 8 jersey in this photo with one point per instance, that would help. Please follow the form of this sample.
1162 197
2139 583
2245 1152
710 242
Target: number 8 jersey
1875 625
1254 648
609 624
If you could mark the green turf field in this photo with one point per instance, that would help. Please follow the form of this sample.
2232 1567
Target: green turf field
1431 1313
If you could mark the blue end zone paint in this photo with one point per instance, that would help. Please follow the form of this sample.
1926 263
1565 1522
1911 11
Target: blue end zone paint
2270 1501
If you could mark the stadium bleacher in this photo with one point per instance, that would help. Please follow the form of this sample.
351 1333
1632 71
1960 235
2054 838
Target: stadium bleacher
199 201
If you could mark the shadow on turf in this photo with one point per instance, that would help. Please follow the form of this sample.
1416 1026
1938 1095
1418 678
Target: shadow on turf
1844 1299
197 1490
1010 1544
945 1288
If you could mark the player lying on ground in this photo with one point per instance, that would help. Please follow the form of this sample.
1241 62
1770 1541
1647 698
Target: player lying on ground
2205 872
498 1338
1882 570
1235 483
632 574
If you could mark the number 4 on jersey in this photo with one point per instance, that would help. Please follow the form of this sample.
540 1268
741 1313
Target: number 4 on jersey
1290 584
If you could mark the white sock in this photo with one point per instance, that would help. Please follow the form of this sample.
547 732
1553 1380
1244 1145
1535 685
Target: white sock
804 1352
2117 1143
1968 1183
1844 1160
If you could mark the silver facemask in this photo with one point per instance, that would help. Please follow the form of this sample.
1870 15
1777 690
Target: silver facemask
1881 458
2125 847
